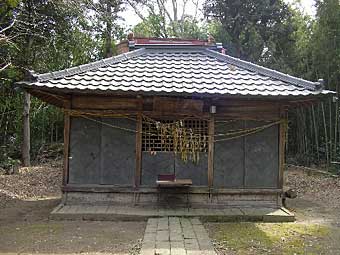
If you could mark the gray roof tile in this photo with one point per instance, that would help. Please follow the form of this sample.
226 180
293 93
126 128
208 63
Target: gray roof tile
199 71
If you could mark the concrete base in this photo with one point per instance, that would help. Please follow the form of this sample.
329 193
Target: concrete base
138 213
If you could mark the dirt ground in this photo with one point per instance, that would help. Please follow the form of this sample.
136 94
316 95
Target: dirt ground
26 200
25 203
316 230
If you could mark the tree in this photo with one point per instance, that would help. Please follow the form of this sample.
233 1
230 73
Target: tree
7 21
326 64
105 24
249 28
44 36
167 19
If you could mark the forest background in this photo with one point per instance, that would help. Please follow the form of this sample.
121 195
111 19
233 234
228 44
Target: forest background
46 35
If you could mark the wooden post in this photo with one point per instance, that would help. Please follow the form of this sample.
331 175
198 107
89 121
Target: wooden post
211 132
26 143
138 150
139 143
282 145
67 124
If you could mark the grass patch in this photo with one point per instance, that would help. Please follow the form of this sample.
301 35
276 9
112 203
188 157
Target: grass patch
271 238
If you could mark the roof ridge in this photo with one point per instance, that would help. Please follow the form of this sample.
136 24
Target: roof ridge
90 66
266 71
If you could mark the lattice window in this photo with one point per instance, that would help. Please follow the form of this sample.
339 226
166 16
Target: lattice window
153 140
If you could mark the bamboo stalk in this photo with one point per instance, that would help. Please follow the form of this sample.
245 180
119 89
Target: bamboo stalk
305 134
330 129
325 129
316 135
311 130
56 132
51 135
336 122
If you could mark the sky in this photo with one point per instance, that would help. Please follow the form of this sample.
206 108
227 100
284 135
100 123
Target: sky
131 19
306 5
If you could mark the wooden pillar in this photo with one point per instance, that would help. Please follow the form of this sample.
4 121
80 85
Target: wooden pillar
67 124
211 132
138 150
282 145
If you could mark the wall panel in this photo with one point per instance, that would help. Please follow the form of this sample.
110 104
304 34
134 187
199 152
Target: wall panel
228 157
118 152
153 165
197 172
84 160
100 153
262 157
251 161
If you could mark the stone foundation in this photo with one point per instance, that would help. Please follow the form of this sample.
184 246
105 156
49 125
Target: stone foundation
192 199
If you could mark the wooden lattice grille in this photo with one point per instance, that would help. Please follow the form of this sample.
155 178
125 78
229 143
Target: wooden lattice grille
152 139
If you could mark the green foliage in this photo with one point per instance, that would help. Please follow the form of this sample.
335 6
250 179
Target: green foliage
314 136
152 26
46 36
190 28
105 25
156 26
250 28
325 42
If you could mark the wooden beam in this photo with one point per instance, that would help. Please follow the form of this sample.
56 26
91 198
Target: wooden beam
193 190
169 104
105 103
211 132
54 99
282 145
67 124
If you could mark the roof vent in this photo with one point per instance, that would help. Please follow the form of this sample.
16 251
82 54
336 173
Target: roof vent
219 45
132 45
211 39
320 84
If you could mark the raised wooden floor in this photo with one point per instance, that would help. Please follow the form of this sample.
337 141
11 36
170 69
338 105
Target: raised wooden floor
115 213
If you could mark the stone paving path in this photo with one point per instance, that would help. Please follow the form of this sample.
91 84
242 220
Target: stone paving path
176 236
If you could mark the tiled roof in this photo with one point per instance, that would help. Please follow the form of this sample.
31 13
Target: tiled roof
189 71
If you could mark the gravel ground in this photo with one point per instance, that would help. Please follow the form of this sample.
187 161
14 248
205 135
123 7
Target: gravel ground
27 198
316 231
31 183
317 187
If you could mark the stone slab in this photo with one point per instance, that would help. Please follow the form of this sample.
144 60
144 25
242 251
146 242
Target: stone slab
111 213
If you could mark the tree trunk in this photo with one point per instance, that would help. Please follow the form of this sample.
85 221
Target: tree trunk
108 39
26 143
26 140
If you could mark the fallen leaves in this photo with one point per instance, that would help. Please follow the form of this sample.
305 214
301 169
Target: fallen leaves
323 189
31 183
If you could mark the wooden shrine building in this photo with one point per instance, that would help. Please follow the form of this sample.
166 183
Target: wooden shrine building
179 109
